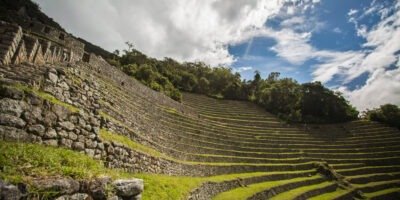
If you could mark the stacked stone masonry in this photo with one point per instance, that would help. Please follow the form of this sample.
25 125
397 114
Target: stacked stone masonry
38 44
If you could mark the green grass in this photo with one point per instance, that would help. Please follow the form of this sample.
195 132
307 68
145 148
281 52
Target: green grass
109 136
250 190
300 190
382 192
22 162
331 195
44 95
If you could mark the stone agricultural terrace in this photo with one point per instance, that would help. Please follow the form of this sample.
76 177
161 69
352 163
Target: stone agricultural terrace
54 95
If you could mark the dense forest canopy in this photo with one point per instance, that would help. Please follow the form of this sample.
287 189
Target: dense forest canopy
285 97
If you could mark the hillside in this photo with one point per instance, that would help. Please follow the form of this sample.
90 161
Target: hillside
74 127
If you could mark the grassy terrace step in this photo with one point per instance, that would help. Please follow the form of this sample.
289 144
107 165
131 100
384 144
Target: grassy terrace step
223 146
336 194
23 162
334 161
294 144
255 140
362 179
248 159
308 191
239 116
201 141
203 102
277 186
233 167
189 146
200 106
250 131
377 186
232 149
369 170
232 126
391 193
210 189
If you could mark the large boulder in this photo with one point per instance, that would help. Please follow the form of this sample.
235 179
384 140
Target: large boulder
128 187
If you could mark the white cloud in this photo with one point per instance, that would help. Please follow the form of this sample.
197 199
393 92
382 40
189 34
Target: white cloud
352 12
183 30
381 88
382 41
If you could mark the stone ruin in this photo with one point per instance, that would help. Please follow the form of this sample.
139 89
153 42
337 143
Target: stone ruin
36 43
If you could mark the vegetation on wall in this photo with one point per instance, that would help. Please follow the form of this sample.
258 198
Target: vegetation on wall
388 114
285 97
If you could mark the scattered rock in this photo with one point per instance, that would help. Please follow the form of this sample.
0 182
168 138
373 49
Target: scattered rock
128 187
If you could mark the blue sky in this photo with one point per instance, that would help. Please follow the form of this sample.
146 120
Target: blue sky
351 46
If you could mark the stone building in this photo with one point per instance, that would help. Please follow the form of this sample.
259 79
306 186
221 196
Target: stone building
37 43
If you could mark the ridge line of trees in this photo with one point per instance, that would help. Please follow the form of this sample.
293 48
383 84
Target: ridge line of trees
285 97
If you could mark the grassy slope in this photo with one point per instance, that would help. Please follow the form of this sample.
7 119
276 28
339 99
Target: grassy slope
22 162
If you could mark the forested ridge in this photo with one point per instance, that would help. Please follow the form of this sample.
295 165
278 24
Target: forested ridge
285 97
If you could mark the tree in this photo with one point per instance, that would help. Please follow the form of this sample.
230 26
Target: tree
388 114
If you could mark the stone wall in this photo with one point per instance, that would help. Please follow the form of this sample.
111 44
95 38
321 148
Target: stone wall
99 65
27 117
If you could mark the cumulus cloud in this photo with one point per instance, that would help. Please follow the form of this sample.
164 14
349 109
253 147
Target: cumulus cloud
381 88
184 30
379 56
